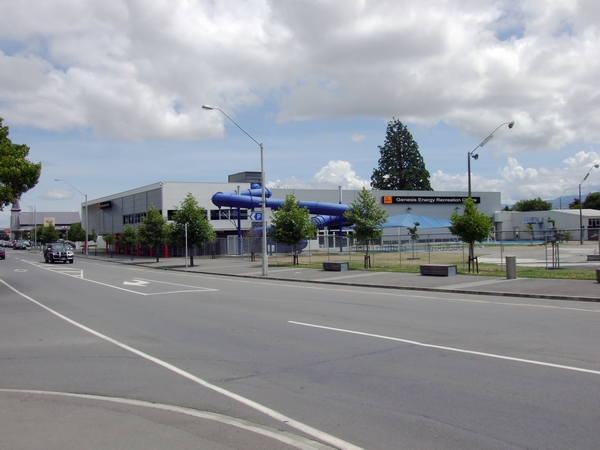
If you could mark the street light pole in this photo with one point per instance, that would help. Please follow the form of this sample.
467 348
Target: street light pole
595 166
86 215
265 261
473 155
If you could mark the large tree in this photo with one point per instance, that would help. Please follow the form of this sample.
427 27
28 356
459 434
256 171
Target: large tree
17 174
199 229
76 232
401 166
152 229
47 233
472 226
291 224
592 201
367 216
536 204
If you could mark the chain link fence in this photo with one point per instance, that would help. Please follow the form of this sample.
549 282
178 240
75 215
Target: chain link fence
400 250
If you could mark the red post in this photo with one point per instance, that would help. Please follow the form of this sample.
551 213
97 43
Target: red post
166 251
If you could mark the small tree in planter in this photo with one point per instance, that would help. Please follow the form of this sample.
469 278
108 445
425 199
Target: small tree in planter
110 240
291 224
367 216
129 238
414 236
529 227
152 229
470 227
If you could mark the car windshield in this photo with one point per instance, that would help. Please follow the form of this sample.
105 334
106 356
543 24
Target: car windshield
60 247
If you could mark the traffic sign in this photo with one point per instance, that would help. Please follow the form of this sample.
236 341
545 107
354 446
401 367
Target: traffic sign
256 217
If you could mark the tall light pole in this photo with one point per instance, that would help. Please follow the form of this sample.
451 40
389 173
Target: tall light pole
595 166
86 215
561 196
473 155
265 261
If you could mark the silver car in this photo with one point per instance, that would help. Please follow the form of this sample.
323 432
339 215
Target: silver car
58 252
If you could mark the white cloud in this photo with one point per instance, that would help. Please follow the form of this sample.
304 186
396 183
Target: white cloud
334 174
136 70
516 182
358 138
57 194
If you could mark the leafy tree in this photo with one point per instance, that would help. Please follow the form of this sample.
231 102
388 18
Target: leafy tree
291 224
47 234
110 239
592 201
529 227
401 165
152 229
367 216
93 236
129 238
536 204
414 235
76 232
199 230
472 226
17 174
574 204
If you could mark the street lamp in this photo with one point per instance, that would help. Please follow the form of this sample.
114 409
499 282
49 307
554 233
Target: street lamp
595 166
561 196
473 155
86 215
265 262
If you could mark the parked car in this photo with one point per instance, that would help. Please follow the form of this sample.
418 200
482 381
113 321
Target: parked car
2 253
58 251
20 245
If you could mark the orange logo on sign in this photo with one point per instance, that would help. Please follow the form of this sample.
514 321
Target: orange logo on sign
387 199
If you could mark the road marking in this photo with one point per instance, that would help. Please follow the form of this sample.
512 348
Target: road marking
137 282
63 269
141 283
451 349
283 436
317 434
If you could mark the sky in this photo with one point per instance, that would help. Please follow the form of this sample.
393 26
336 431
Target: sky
108 94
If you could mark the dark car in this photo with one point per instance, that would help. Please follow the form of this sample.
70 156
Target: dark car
20 245
2 253
58 252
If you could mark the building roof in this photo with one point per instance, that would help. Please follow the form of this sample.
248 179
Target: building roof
27 219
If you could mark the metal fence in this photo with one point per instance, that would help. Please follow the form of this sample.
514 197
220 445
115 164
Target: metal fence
394 251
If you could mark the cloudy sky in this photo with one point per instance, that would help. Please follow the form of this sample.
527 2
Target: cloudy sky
108 94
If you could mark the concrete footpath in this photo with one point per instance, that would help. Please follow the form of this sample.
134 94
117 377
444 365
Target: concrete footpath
553 289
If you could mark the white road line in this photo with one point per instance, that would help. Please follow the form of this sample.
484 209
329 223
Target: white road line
283 436
451 349
317 434
80 275
358 275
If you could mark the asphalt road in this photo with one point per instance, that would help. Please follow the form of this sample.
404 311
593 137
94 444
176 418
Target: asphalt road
96 355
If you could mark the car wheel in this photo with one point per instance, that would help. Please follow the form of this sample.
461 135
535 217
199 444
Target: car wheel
71 262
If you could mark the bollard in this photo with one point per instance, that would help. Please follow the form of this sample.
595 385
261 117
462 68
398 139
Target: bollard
511 267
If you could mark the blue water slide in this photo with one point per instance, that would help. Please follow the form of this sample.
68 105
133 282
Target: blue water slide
326 213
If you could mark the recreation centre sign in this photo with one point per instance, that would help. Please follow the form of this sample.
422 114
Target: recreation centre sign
392 200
